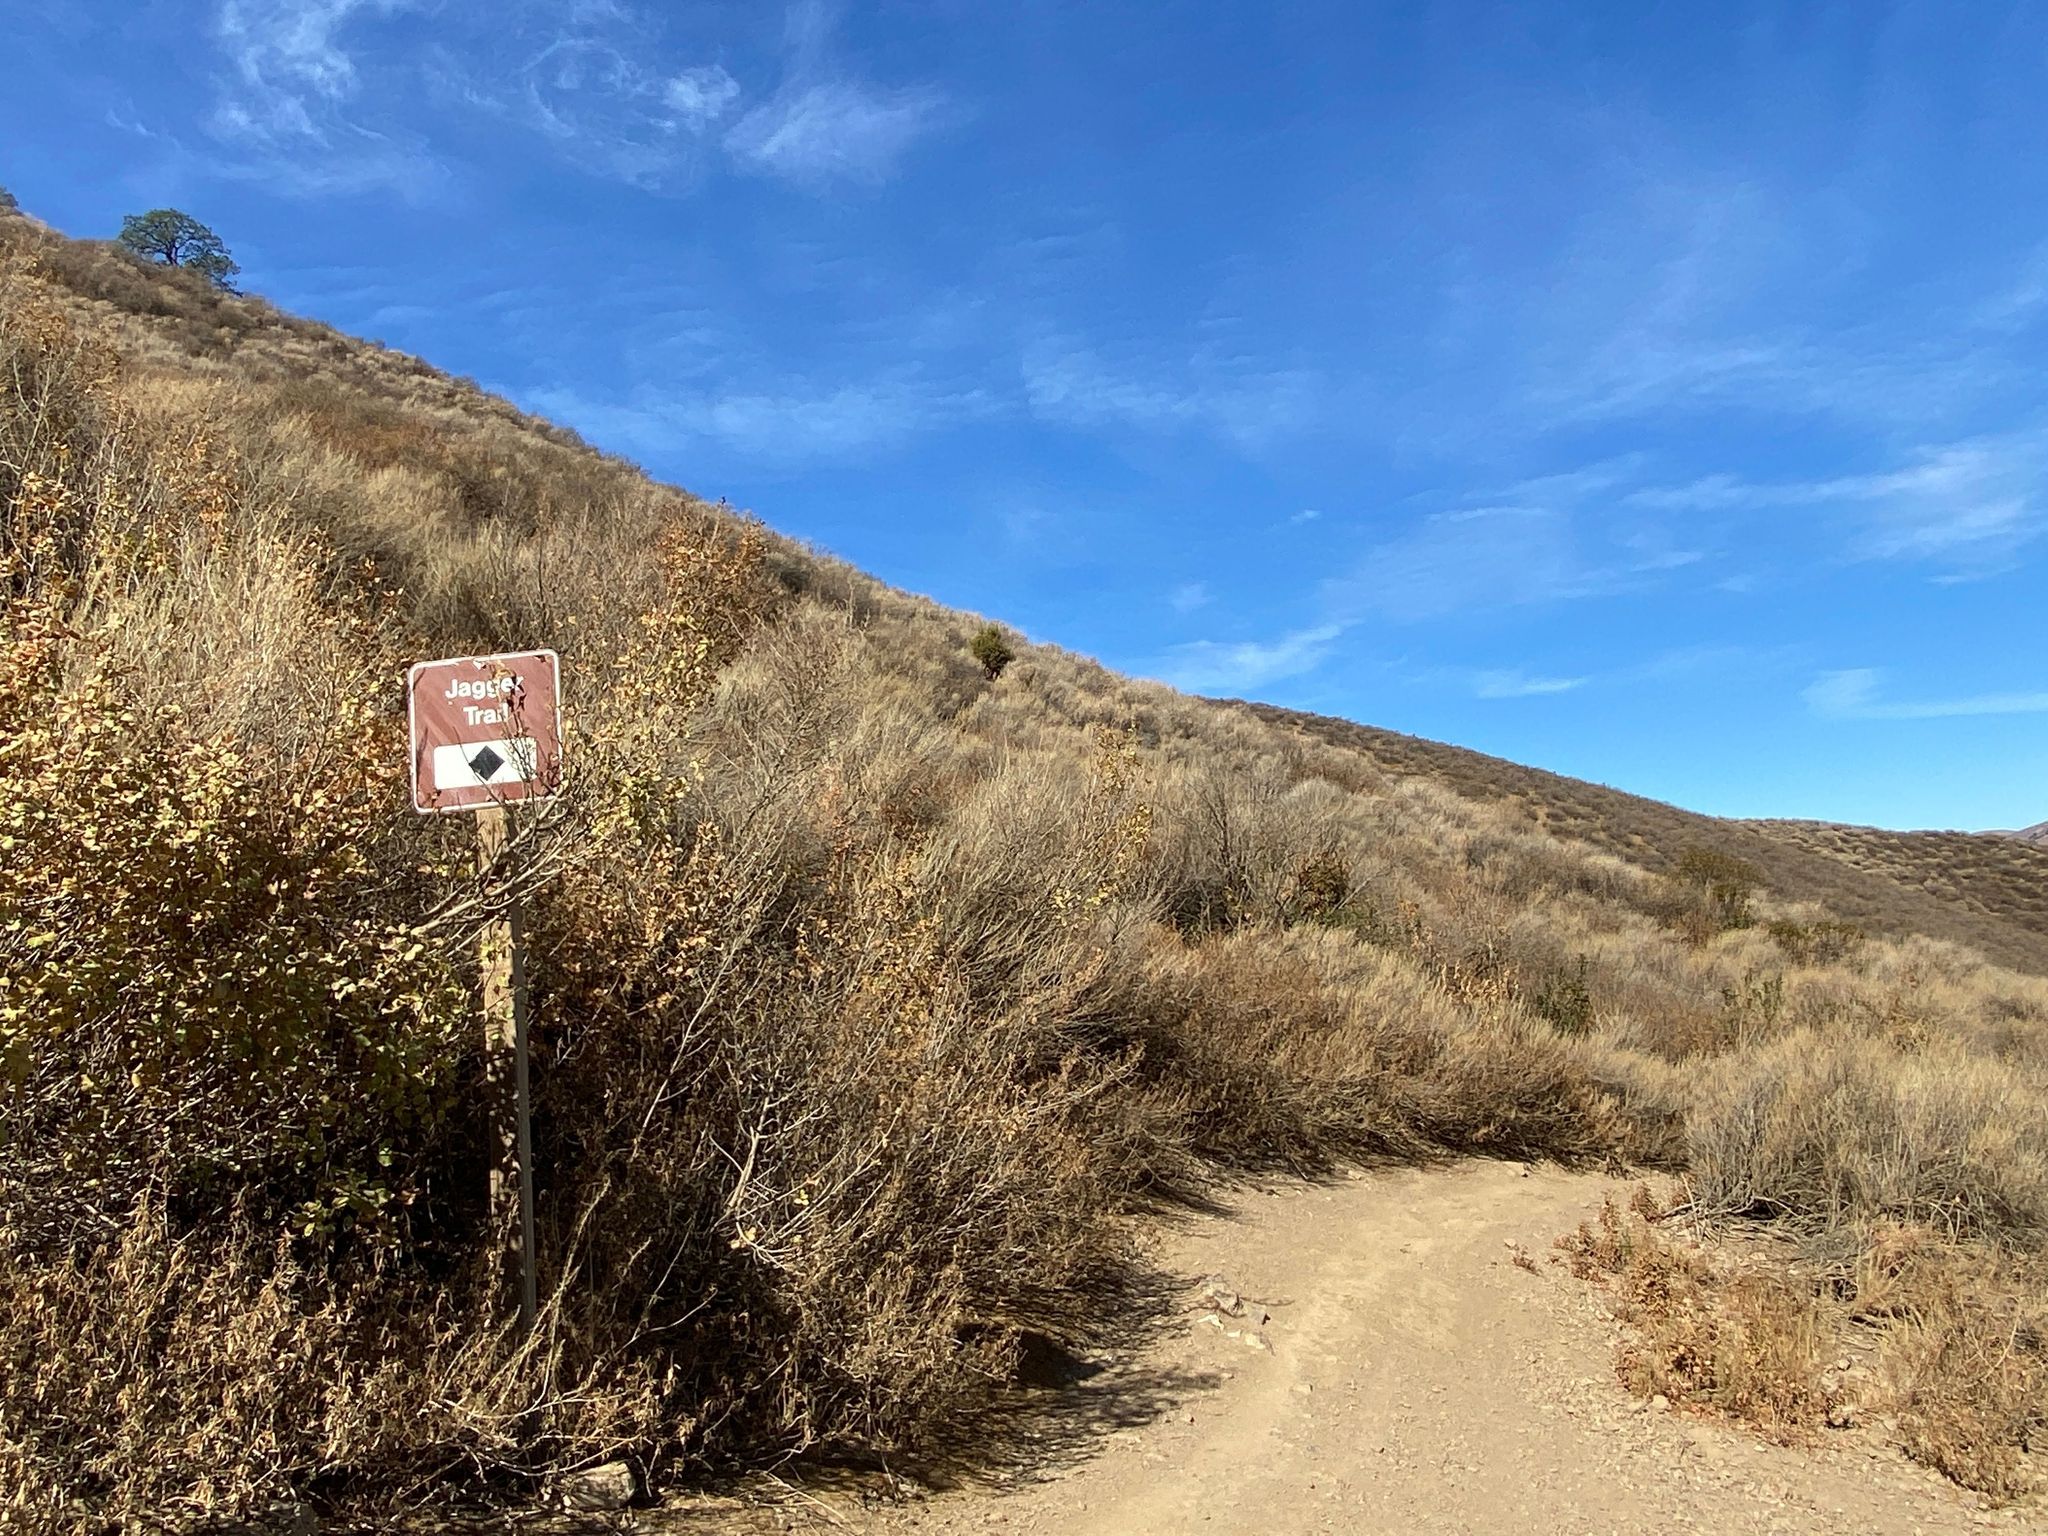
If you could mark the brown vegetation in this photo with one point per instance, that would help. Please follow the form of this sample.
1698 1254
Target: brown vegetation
1781 1338
875 1001
1989 893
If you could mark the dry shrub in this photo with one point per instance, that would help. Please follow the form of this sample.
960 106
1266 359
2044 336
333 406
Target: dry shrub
1745 1342
1295 1050
1966 1353
1822 941
1826 1130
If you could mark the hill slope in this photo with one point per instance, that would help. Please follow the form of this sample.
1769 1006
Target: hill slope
1985 892
877 999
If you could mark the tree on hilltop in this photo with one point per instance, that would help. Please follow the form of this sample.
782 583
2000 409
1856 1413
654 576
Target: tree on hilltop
176 239
8 202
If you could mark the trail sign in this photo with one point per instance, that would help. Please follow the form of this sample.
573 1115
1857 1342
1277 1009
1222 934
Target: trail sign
486 730
486 734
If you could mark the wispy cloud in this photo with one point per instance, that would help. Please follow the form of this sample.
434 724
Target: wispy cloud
1305 515
308 97
1854 694
2023 301
1514 683
700 97
284 114
1074 384
1241 666
1975 502
1969 505
836 130
1481 557
824 124
606 111
1188 596
786 424
289 64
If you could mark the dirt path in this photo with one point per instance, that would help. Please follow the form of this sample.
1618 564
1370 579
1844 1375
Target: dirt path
1412 1378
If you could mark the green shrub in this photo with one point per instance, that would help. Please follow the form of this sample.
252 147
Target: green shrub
1321 888
1709 892
992 648
1825 942
1564 999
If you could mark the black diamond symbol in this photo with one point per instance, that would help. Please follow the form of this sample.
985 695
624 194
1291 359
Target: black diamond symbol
485 763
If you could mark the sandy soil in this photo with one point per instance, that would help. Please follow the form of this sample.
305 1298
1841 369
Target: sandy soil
1393 1370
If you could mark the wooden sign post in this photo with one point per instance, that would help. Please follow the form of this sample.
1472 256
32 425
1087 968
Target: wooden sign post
487 735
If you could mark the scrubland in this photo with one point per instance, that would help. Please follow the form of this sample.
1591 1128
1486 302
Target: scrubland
879 1002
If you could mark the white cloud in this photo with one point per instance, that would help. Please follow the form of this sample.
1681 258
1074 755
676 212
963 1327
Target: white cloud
1074 385
1970 504
1853 694
2023 301
1514 683
1305 515
701 96
612 114
1972 500
290 64
1709 493
1483 557
305 98
1212 666
831 131
287 113
1188 596
791 422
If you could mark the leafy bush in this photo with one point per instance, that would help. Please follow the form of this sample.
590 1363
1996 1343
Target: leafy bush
1565 998
1726 882
992 648
1821 942
1322 885
1826 1132
1705 893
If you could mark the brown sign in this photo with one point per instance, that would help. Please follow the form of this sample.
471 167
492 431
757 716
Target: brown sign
486 730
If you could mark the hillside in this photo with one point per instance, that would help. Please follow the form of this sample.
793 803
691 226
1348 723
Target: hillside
2037 835
1988 893
882 1000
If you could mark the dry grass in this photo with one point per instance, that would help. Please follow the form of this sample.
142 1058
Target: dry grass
1967 1365
877 997
1987 892
1767 1334
1749 1342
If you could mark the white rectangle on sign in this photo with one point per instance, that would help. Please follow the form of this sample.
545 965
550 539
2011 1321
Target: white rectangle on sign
480 764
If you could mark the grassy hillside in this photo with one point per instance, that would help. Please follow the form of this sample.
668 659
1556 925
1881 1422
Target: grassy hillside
1989 893
878 999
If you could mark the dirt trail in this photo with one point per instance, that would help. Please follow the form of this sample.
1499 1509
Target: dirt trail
1412 1378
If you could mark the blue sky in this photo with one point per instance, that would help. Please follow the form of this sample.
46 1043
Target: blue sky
1652 393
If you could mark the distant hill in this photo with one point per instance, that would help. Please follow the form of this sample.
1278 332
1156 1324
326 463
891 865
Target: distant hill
1990 893
2037 834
